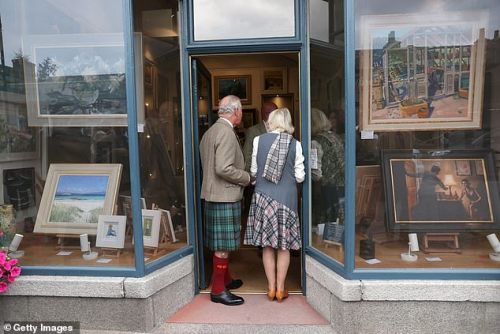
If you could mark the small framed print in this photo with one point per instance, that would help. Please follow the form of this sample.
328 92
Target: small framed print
151 227
111 231
463 167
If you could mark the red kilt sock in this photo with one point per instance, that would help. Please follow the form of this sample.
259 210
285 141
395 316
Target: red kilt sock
219 271
227 276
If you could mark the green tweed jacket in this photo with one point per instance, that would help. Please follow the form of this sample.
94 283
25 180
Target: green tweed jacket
250 134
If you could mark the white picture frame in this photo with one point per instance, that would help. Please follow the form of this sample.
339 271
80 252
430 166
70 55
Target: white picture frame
168 225
75 195
111 231
151 227
74 108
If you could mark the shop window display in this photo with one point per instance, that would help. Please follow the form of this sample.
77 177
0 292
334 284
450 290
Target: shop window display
426 155
64 150
327 157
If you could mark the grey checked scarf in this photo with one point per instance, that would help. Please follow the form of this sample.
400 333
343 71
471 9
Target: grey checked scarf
276 158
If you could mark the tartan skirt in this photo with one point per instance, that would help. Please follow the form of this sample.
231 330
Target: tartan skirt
222 225
272 224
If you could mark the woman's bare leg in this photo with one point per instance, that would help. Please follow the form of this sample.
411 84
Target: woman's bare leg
269 267
283 263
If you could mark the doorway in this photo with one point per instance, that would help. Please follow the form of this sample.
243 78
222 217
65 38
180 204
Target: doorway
256 78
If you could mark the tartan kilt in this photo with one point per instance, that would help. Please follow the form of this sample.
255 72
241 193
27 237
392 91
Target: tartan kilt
222 225
272 224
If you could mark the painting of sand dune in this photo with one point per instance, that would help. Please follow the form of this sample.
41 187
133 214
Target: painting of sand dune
79 199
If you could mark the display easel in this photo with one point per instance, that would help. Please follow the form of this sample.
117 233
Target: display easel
333 243
64 239
151 251
111 252
443 238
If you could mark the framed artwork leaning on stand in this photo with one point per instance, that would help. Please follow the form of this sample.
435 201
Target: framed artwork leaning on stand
425 191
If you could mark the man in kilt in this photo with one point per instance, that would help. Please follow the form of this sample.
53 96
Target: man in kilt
224 178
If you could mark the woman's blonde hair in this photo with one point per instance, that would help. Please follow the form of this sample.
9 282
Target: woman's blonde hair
280 120
319 122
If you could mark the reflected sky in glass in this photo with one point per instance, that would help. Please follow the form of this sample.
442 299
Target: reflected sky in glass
233 19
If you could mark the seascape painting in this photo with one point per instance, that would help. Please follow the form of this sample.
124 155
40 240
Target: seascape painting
79 199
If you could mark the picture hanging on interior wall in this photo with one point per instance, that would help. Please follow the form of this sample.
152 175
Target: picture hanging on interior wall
425 191
421 72
238 85
75 195
79 80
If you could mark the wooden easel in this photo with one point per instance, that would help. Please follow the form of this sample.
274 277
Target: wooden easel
333 243
63 239
151 251
111 252
442 237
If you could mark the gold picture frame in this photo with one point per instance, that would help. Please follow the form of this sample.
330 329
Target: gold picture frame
238 85
75 195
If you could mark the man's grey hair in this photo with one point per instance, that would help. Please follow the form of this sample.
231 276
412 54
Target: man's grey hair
229 104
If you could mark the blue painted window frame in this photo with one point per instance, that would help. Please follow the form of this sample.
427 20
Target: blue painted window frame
299 43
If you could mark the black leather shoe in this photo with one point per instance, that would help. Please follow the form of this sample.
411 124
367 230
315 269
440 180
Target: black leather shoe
227 298
234 284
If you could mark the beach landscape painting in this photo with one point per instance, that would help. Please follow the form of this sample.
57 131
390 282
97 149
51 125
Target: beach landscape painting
79 198
74 197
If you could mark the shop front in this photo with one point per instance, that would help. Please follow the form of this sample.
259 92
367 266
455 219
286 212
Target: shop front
103 104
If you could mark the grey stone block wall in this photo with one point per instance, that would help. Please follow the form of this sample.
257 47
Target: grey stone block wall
141 310
427 312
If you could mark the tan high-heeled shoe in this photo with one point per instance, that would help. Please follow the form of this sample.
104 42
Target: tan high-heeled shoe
271 294
280 295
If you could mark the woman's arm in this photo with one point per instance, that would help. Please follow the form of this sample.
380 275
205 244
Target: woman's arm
300 173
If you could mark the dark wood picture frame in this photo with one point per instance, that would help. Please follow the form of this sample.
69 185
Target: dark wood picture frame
418 200
239 85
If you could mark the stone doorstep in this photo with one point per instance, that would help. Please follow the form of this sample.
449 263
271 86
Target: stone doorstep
177 328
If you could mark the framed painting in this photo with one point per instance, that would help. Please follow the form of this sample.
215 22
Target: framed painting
79 80
248 118
167 226
274 80
238 85
111 231
422 73
425 192
18 141
151 227
75 195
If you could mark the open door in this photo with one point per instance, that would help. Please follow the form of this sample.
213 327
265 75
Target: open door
202 119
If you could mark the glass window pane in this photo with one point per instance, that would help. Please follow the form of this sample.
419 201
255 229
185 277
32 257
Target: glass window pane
427 167
235 19
63 139
160 145
327 127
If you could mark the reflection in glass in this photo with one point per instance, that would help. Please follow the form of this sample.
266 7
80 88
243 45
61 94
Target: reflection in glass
236 19
327 129
418 79
160 145
62 73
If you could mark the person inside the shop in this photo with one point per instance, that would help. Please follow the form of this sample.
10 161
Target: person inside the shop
327 167
273 222
224 178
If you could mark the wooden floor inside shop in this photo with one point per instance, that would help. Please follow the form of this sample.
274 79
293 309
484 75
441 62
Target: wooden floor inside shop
43 250
474 252
246 264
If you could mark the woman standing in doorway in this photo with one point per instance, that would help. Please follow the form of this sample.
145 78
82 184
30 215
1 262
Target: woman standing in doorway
273 222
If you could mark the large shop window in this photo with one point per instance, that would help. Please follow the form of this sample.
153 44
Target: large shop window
237 19
428 78
64 158
160 138
327 127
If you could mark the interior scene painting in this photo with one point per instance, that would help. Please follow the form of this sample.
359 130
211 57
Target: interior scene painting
440 191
